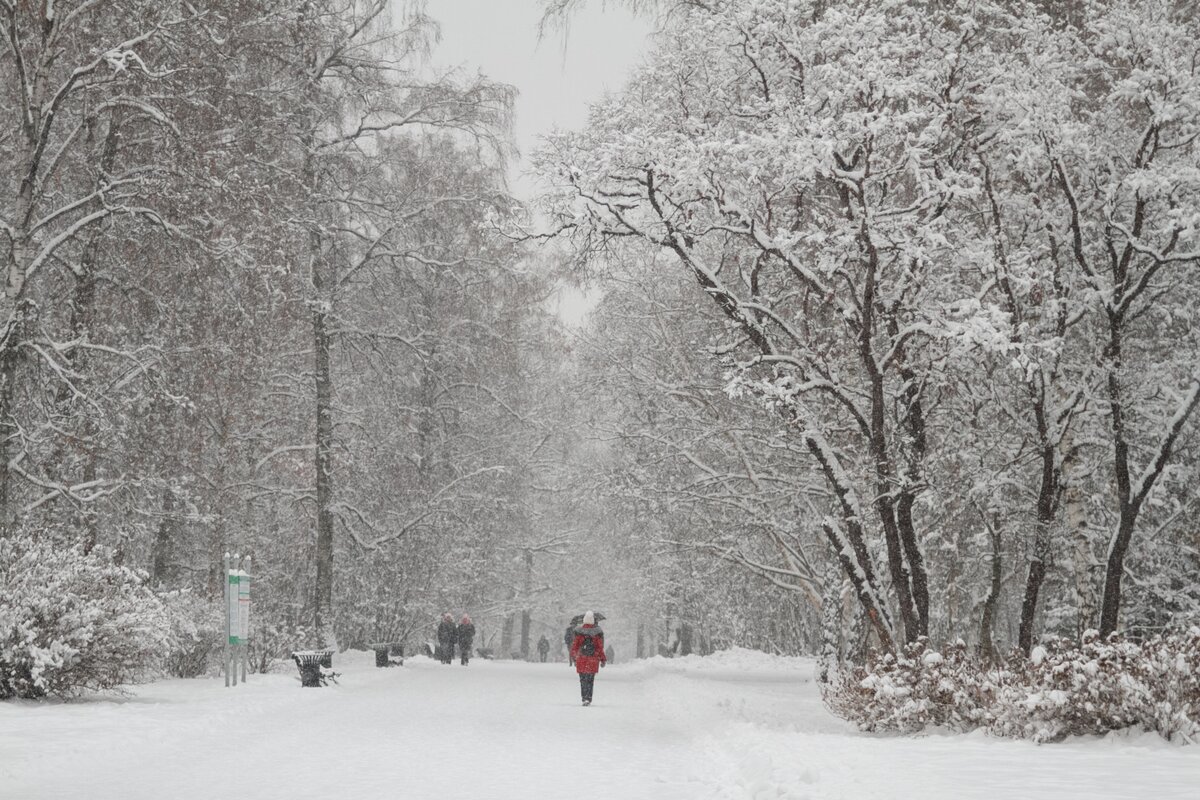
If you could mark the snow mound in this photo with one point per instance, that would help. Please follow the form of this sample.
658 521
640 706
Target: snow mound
733 660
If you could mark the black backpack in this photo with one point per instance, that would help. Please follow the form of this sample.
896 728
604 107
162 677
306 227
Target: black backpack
588 648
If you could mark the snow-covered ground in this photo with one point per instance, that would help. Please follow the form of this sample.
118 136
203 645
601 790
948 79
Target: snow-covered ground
737 725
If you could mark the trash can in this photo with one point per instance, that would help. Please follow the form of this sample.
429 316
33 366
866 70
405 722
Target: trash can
310 662
310 673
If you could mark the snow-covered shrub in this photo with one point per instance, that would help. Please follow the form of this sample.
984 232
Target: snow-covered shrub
1063 689
197 626
1171 671
72 621
918 688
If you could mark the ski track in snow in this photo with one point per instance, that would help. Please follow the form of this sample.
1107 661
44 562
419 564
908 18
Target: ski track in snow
737 726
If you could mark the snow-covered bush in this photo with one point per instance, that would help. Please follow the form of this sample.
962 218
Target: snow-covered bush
1063 689
1171 671
72 621
196 632
918 688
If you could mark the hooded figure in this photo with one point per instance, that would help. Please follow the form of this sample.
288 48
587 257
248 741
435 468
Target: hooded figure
543 648
466 635
447 635
587 653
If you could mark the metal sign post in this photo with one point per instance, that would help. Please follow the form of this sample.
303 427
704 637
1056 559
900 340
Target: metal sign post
225 653
244 613
237 618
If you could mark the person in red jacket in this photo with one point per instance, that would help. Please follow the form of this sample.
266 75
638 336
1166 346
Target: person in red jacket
587 651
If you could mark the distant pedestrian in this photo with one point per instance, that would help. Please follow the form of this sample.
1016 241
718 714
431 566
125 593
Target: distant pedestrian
543 648
466 637
608 654
447 634
587 654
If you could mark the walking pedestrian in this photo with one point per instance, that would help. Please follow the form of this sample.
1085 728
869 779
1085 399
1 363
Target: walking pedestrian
587 653
447 634
466 636
543 648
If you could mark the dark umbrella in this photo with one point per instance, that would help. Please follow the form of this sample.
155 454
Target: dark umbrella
578 618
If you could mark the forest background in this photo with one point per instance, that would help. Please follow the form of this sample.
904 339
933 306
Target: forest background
895 333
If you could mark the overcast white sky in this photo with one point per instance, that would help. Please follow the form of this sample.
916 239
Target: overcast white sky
500 39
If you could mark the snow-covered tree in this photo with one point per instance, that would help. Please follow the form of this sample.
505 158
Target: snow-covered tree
931 242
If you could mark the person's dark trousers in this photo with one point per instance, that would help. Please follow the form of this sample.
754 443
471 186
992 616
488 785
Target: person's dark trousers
543 657
586 682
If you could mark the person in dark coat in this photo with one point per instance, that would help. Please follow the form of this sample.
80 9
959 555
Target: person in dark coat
466 636
587 653
568 640
543 648
447 634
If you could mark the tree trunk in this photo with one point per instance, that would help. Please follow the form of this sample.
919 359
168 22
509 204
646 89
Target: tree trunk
987 646
857 639
525 622
685 639
323 605
914 425
161 564
506 635
831 623
1046 512
864 587
323 281
9 362
526 615
1082 556
898 570
916 562
15 305
881 461
1127 511
1115 570
218 543
1033 585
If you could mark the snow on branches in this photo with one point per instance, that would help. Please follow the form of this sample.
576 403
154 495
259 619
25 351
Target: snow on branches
953 247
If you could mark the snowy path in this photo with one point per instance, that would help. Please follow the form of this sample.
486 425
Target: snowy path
741 726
